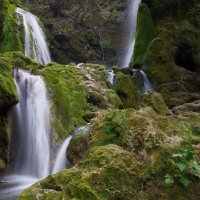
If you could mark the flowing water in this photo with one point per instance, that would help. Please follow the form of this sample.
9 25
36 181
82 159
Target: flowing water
132 23
30 131
147 84
141 81
61 160
30 118
35 44
111 76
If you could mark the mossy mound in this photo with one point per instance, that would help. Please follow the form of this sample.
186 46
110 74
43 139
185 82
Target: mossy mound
76 94
108 172
125 89
143 37
156 101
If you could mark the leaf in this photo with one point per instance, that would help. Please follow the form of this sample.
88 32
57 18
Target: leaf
169 179
195 165
184 181
181 166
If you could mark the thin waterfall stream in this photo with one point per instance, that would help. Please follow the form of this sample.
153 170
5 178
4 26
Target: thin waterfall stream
132 23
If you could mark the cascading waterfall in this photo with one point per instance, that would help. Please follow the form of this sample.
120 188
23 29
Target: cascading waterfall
61 160
132 20
30 127
35 44
30 118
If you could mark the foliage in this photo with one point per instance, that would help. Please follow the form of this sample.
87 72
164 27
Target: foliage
183 166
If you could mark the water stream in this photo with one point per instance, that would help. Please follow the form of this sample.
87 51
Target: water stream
30 118
30 131
35 44
132 23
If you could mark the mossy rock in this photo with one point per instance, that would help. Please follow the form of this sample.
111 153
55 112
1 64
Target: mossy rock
8 92
125 89
76 93
145 33
108 172
127 128
156 101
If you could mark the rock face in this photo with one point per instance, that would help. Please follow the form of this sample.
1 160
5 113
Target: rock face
171 60
83 31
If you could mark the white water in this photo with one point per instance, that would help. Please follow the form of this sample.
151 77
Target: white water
30 127
111 76
35 44
61 160
147 84
132 20
140 76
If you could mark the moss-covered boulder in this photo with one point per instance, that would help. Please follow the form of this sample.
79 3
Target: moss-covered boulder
145 33
79 144
108 172
126 90
8 92
156 101
76 94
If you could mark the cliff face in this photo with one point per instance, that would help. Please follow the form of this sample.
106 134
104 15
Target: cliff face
83 31
169 53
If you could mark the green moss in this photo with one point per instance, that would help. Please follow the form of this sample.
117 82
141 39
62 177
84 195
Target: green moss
125 89
9 35
144 34
68 97
109 172
8 92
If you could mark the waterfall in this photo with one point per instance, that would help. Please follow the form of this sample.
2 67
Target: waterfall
141 81
61 160
30 127
111 76
147 84
35 44
132 23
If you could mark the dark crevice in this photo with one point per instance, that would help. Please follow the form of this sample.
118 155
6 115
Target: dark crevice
184 58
